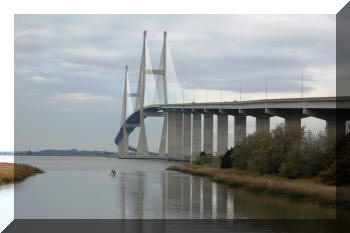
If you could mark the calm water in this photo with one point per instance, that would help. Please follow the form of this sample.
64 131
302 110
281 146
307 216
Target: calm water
6 198
80 187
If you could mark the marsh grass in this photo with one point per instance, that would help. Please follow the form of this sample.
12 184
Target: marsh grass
293 188
12 173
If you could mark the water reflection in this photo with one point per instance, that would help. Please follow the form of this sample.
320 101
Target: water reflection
229 204
169 195
81 188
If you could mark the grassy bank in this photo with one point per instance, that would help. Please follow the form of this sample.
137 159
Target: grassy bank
11 173
301 189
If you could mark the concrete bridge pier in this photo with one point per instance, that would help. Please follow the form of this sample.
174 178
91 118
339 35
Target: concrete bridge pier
335 119
331 126
336 125
342 116
262 118
123 147
263 123
196 135
179 135
175 135
291 116
240 129
163 139
171 135
329 118
208 133
142 147
187 136
222 134
341 125
293 119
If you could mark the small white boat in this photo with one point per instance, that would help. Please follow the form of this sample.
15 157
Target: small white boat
113 172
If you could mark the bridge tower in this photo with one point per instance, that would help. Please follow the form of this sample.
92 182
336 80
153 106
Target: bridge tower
123 148
142 148
161 91
163 71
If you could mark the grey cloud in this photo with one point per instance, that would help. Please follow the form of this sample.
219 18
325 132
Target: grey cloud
209 51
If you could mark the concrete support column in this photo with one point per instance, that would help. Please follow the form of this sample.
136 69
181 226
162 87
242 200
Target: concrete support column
293 119
196 135
187 137
208 133
331 127
240 129
171 135
142 148
179 138
222 134
262 124
163 139
124 144
340 125
123 150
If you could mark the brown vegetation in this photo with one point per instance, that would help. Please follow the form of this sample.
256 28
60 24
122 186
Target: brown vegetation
10 172
293 188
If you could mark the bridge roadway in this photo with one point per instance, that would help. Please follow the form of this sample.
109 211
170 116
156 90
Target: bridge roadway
335 111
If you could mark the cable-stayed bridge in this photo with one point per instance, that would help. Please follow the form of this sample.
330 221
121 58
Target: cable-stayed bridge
159 95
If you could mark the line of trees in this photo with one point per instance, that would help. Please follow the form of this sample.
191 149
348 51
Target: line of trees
289 151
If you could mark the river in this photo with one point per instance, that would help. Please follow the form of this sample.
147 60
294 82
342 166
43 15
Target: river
80 187
6 198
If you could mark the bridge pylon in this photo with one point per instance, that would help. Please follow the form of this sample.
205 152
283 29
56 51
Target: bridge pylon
145 72
123 147
142 148
162 67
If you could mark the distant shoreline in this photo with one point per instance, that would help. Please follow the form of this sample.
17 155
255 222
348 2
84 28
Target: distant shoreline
67 155
59 152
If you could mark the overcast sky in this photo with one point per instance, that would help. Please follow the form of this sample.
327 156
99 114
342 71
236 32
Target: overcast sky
69 69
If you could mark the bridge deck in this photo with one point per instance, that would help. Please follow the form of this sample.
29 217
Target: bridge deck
233 108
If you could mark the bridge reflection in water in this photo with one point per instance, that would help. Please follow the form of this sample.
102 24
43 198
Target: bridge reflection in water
171 195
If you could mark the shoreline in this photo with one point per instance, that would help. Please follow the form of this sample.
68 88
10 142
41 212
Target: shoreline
299 189
67 155
13 172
